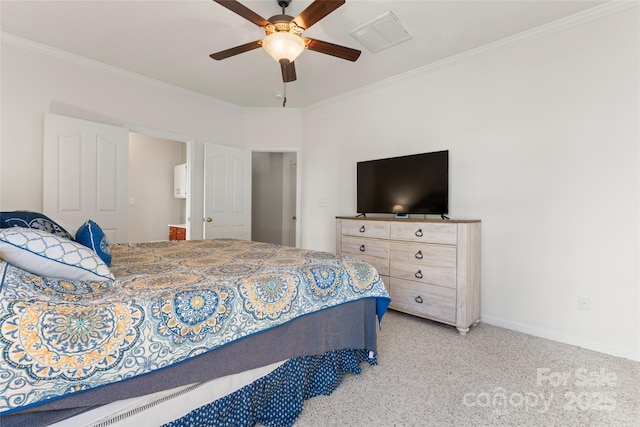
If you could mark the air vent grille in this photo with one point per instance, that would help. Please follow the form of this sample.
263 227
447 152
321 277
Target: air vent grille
380 33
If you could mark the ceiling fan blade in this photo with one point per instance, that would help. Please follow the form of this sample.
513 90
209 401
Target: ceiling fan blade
332 49
288 71
223 54
243 11
316 11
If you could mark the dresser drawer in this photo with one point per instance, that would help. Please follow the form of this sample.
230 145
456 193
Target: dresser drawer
177 233
181 233
424 300
381 264
423 254
373 251
360 246
374 229
441 276
429 232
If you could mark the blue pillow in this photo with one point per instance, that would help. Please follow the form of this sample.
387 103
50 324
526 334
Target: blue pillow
34 220
91 235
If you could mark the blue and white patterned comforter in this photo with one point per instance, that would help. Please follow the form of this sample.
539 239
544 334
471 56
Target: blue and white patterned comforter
171 301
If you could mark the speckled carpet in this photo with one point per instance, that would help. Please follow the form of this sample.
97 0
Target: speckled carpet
429 375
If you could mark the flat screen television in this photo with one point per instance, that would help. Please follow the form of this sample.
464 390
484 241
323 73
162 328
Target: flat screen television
414 184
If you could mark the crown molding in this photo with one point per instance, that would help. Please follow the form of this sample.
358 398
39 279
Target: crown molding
597 12
287 110
580 18
108 69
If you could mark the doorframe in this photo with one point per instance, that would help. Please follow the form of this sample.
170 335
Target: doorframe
297 151
159 133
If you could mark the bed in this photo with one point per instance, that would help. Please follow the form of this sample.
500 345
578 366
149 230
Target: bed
234 328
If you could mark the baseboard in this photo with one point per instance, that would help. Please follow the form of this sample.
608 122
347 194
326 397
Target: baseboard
565 339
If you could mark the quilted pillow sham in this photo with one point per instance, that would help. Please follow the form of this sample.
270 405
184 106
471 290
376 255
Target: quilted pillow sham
91 235
50 255
36 220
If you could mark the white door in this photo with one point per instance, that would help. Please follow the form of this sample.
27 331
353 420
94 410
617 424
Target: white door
227 192
289 200
85 171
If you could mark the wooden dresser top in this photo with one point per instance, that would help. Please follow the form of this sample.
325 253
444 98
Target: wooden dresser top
379 218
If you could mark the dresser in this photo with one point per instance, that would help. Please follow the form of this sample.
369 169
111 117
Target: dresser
431 268
177 232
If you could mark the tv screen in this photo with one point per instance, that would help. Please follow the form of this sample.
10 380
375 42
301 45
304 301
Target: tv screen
415 184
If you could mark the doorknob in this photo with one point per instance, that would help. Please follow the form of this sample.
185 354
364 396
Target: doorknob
208 219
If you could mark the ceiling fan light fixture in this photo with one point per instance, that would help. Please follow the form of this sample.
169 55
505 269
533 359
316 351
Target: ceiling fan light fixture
283 45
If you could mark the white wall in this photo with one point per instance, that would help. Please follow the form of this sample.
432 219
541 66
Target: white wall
36 79
543 139
272 129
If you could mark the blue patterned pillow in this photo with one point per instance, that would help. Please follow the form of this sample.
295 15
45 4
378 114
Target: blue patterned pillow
91 235
35 220
49 255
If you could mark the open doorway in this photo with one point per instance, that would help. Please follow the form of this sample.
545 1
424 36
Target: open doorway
153 205
273 197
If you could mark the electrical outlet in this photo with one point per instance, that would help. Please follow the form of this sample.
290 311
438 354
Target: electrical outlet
584 303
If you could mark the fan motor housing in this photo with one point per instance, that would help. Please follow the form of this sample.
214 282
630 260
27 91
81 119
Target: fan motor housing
282 23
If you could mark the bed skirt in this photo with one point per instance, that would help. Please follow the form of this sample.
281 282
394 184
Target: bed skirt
276 400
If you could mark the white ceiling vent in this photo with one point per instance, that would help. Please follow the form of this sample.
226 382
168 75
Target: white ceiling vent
381 33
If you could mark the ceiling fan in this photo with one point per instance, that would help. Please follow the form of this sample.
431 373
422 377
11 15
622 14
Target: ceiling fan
284 41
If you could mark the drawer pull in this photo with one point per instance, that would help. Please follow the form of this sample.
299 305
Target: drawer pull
419 274
419 299
419 233
361 248
419 255
362 229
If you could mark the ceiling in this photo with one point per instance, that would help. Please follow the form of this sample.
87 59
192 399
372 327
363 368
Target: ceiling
170 41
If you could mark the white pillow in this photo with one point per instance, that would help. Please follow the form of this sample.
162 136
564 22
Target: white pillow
49 255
